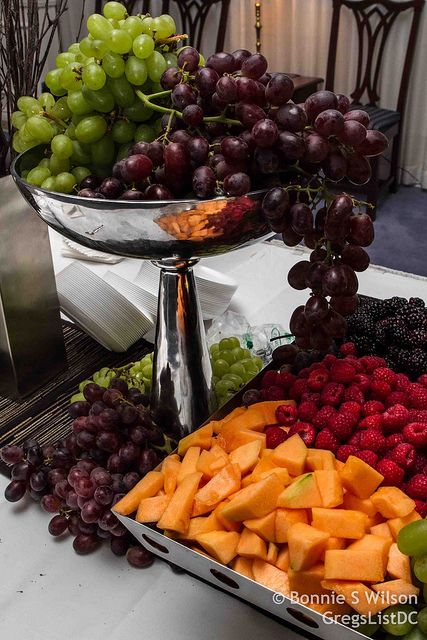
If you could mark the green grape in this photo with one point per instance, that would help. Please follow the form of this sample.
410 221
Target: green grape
62 59
103 151
235 342
133 25
74 48
119 41
147 371
62 146
38 175
123 151
94 76
47 101
422 620
49 184
238 369
91 129
101 100
123 92
396 626
147 25
143 46
123 131
171 60
138 112
58 165
228 357
258 362
249 375
29 106
65 182
136 70
220 367
157 126
53 82
18 119
163 26
100 48
156 65
224 386
238 380
102 171
26 136
214 349
61 109
420 568
80 173
225 344
113 65
98 26
71 77
44 163
70 131
39 128
19 145
78 104
415 634
156 87
87 47
114 10
145 133
238 353
412 539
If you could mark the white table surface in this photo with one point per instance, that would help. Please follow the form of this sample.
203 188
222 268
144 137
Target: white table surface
47 592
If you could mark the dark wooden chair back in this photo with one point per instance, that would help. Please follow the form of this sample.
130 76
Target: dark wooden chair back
374 20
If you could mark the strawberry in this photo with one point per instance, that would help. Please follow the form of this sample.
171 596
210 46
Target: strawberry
367 456
274 436
416 433
323 416
396 397
372 362
373 406
275 393
348 349
332 394
351 407
403 454
393 474
306 432
402 382
363 382
318 379
380 389
386 375
286 414
342 372
307 411
285 379
342 426
372 440
299 386
269 379
417 487
326 440
395 418
346 450
417 397
374 422
353 393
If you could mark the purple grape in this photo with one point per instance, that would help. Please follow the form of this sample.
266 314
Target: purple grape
21 471
247 90
112 397
147 461
84 544
103 495
317 148
50 503
206 80
188 59
108 521
291 117
180 136
57 525
221 63
72 500
265 133
204 182
239 56
86 439
119 546
38 481
182 96
226 89
93 393
87 465
114 463
158 192
74 474
138 435
255 66
237 184
291 146
193 115
73 524
249 114
91 512
318 102
171 78
343 103
329 123
111 188
87 193
108 441
15 490
130 479
56 475
129 453
11 454
139 557
84 487
198 148
132 194
279 89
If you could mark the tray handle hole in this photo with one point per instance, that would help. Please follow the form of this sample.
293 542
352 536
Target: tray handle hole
301 617
225 579
155 544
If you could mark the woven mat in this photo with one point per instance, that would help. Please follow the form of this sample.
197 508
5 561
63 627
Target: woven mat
44 415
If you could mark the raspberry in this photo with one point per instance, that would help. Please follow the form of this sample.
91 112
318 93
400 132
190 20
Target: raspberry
326 440
269 379
342 372
286 414
311 396
417 487
318 379
380 389
373 406
393 474
275 393
298 388
372 440
415 433
363 382
402 382
303 373
417 397
329 360
306 432
397 397
421 507
274 436
372 362
420 465
386 375
348 349
285 379
393 440
418 415
367 456
346 450
354 394
374 422
342 426
332 394
403 455
324 415
395 418
351 407
423 380
307 411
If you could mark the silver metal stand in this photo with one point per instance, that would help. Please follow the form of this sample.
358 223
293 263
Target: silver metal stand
182 397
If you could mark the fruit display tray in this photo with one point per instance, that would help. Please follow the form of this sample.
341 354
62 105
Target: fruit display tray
282 608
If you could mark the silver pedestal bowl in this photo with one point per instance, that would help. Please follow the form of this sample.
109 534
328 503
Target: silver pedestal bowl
174 235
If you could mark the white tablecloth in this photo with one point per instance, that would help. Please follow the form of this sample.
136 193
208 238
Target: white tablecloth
47 592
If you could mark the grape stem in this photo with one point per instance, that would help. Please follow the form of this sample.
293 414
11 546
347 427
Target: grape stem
55 119
182 36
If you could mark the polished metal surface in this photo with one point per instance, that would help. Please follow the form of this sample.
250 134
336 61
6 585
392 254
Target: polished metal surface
174 234
32 347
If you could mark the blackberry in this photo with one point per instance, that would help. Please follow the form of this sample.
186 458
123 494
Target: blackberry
419 338
381 327
417 302
365 345
394 304
397 331
392 356
416 363
413 316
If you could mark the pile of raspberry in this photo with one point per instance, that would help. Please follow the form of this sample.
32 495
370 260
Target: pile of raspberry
360 407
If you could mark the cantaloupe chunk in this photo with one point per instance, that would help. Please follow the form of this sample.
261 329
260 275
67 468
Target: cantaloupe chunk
396 524
339 465
306 545
189 463
235 439
382 530
371 543
291 454
395 589
254 501
282 561
253 420
354 565
285 518
357 504
177 514
243 566
226 482
246 456
201 438
271 577
268 408
170 469
202 552
281 472
272 553
372 521
226 524
334 543
218 425
398 565
307 581
221 545
391 502
359 478
145 488
202 524
264 527
267 453
251 545
330 487
303 493
359 596
212 461
265 463
152 509
320 459
349 524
